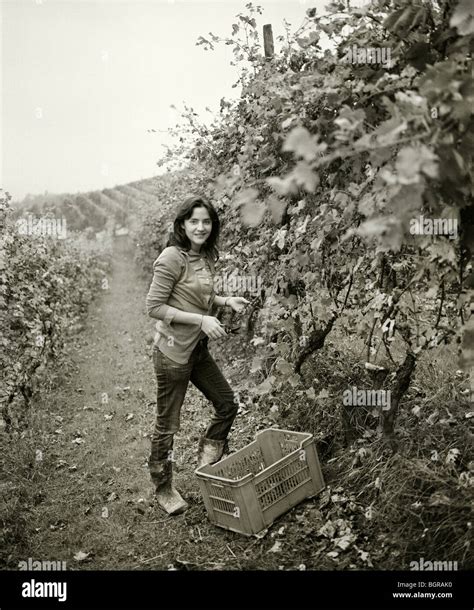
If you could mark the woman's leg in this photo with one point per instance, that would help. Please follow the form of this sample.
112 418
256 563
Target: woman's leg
207 377
172 381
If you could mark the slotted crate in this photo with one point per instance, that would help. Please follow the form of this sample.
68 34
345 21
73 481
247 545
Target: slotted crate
246 491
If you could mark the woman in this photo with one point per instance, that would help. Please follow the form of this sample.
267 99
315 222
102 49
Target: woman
182 298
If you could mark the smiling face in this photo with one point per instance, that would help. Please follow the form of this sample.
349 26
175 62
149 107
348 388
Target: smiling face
198 227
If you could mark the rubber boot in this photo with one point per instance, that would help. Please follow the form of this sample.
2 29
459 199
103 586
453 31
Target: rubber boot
210 451
167 496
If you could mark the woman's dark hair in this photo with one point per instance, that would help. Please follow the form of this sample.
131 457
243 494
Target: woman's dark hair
185 211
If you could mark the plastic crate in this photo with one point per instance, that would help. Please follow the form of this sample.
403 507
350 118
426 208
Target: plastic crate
246 491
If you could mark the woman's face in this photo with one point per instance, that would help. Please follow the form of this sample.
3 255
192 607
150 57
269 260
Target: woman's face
198 227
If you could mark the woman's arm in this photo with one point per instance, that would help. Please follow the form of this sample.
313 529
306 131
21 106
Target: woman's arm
235 303
221 301
166 272
166 312
210 325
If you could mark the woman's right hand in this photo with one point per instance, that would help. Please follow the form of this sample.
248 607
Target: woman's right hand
212 327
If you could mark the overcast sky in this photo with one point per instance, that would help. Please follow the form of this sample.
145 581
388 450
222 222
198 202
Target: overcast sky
83 81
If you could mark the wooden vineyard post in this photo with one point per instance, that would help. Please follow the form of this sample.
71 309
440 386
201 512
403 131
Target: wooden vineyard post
466 360
268 41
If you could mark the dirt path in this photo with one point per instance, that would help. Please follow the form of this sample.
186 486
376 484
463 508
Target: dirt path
94 495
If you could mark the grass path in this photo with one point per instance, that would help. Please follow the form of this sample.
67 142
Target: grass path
93 493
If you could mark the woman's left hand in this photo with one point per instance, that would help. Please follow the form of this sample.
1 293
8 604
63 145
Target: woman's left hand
237 303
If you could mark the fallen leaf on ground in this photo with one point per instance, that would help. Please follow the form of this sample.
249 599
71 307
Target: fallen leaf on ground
452 456
276 548
327 530
345 541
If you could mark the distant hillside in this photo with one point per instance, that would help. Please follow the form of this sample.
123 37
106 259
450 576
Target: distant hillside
97 210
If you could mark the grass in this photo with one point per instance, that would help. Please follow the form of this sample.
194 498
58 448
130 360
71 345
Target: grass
414 503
